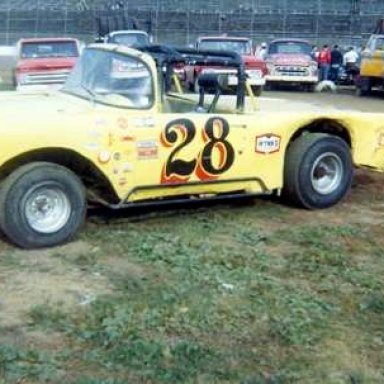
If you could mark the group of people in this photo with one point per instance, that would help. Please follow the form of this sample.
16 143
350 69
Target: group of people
331 60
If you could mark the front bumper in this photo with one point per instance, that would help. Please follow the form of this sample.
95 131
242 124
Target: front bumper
254 76
292 79
38 87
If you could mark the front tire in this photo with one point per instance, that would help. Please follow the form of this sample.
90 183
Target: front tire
41 205
318 171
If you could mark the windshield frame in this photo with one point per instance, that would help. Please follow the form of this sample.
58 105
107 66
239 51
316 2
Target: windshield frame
95 97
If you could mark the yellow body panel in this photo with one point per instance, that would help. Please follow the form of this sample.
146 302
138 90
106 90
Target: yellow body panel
166 151
372 64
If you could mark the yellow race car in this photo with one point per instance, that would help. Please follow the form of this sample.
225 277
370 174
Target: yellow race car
115 135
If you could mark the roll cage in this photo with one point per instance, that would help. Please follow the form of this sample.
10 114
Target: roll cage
167 58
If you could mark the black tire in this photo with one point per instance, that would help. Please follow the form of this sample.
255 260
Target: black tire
308 160
27 194
363 86
310 88
257 90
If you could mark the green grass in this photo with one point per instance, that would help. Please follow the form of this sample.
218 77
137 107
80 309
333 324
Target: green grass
225 295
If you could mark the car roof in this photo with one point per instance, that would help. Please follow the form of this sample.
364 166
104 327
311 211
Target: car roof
287 40
221 37
128 31
46 39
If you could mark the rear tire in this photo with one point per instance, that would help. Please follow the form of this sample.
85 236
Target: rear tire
41 205
318 171
363 86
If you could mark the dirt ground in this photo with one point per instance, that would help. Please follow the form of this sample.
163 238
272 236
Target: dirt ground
32 278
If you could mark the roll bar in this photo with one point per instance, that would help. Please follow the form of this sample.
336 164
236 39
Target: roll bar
167 57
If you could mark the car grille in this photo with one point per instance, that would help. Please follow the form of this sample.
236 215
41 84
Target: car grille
56 77
292 71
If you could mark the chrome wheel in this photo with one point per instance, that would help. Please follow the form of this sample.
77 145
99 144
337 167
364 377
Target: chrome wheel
47 208
327 173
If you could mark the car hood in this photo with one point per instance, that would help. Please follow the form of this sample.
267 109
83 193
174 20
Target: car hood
20 106
45 64
289 59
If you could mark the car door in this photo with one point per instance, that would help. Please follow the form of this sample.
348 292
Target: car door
201 152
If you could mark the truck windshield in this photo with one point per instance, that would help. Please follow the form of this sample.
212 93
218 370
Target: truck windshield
32 50
242 47
130 39
290 47
111 78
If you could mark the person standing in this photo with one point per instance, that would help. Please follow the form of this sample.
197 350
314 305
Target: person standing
324 61
262 52
351 58
336 63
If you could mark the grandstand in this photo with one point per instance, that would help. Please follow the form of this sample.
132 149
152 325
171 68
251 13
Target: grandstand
181 21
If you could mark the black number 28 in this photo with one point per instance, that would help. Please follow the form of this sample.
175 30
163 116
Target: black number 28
215 135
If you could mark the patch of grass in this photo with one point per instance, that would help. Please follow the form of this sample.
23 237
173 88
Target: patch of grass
16 365
223 298
49 317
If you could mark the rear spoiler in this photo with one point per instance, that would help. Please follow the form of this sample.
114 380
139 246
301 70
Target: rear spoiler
167 57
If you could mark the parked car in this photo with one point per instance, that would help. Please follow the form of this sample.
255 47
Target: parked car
255 67
45 62
289 61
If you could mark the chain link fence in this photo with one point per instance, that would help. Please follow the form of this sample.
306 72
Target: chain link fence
181 21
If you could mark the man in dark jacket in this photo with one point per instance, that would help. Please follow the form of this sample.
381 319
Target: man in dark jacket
336 63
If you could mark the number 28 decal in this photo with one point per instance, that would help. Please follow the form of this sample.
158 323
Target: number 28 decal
216 157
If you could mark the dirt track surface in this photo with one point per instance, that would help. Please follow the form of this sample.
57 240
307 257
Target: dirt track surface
344 99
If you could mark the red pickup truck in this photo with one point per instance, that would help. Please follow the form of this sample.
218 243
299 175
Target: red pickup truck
45 62
256 68
290 61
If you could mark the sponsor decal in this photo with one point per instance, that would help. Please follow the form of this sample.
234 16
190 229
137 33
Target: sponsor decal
122 123
268 144
100 122
127 138
95 134
92 146
127 168
147 149
104 157
122 181
144 122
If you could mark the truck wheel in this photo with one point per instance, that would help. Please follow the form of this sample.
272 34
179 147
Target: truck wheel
318 171
41 205
363 86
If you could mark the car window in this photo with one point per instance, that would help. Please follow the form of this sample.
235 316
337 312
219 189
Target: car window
380 44
290 47
241 47
112 78
130 39
34 50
